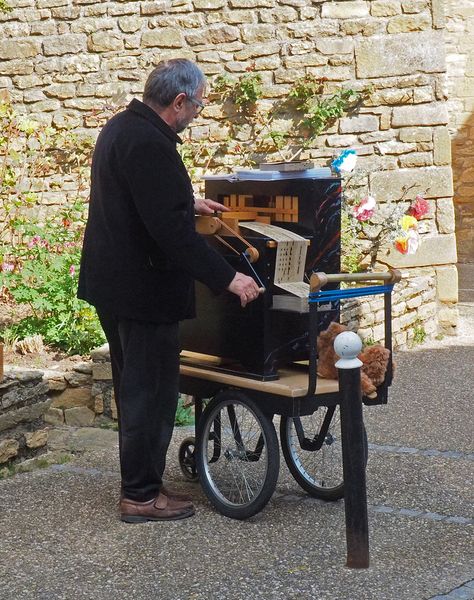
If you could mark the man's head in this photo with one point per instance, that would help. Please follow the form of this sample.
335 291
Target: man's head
174 89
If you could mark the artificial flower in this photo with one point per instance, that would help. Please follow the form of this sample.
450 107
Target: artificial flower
408 222
345 162
409 243
419 208
365 209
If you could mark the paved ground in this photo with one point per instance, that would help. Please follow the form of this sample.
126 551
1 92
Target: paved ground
61 538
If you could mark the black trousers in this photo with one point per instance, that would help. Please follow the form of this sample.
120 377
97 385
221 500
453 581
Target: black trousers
145 371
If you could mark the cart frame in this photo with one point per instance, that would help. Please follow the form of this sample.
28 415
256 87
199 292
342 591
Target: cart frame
298 393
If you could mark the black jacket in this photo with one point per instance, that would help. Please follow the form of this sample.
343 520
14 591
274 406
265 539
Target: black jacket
141 252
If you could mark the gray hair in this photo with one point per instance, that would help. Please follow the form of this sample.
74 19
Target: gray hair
170 78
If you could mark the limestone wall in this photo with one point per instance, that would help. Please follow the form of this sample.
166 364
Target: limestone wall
60 59
460 62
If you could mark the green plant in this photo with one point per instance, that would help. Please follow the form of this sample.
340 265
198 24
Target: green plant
41 272
262 129
5 7
184 414
419 334
40 249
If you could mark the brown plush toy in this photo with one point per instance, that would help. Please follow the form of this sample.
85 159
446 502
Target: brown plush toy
374 358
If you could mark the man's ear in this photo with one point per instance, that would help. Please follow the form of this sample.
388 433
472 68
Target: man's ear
179 101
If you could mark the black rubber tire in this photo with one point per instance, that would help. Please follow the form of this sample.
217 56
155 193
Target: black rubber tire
187 459
251 465
327 485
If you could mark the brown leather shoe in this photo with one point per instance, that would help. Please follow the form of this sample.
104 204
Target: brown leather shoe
161 508
174 495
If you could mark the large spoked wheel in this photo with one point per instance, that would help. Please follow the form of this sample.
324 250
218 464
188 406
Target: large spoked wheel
237 455
312 449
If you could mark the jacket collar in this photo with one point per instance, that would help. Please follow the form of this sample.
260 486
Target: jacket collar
142 109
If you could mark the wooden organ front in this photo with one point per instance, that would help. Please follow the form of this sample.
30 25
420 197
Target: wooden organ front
294 225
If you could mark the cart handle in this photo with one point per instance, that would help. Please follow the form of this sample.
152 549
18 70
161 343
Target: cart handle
319 280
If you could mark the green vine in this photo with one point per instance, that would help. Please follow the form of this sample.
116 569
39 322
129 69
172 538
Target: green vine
260 129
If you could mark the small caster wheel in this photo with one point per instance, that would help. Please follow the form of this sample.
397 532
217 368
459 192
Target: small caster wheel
187 460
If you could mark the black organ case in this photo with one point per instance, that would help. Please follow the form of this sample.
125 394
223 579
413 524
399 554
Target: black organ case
272 331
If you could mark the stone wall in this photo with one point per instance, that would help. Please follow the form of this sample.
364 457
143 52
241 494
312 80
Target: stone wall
33 402
60 59
460 62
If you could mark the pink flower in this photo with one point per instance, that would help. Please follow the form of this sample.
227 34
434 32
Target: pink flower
419 208
7 267
365 209
72 270
37 240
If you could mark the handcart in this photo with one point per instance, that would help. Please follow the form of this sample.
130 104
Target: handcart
235 451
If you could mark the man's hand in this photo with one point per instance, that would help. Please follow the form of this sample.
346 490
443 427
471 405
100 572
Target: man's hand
244 287
204 206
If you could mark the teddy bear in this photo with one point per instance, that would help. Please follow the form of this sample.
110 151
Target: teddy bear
374 360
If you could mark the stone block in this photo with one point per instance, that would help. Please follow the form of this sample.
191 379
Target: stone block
154 8
75 379
209 4
20 395
335 46
79 416
447 283
431 182
55 381
350 9
129 24
36 439
359 124
164 37
102 371
251 3
448 318
406 23
113 407
433 250
400 54
416 159
99 404
442 146
8 450
415 134
70 397
385 8
54 416
258 33
437 13
16 67
282 14
19 48
427 114
83 367
50 3
445 218
101 41
57 45
256 50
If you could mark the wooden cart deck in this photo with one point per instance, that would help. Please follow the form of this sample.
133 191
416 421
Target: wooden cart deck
292 382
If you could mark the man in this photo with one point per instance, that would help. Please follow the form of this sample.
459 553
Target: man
140 257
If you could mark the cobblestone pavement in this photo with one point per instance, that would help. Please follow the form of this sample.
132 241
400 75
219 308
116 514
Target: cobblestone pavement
61 537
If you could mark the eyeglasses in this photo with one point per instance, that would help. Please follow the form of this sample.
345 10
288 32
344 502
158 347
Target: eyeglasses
200 105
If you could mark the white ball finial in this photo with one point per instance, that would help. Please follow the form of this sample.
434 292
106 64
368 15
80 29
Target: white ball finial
348 345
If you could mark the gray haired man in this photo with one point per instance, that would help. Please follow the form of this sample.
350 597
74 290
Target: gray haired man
140 258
